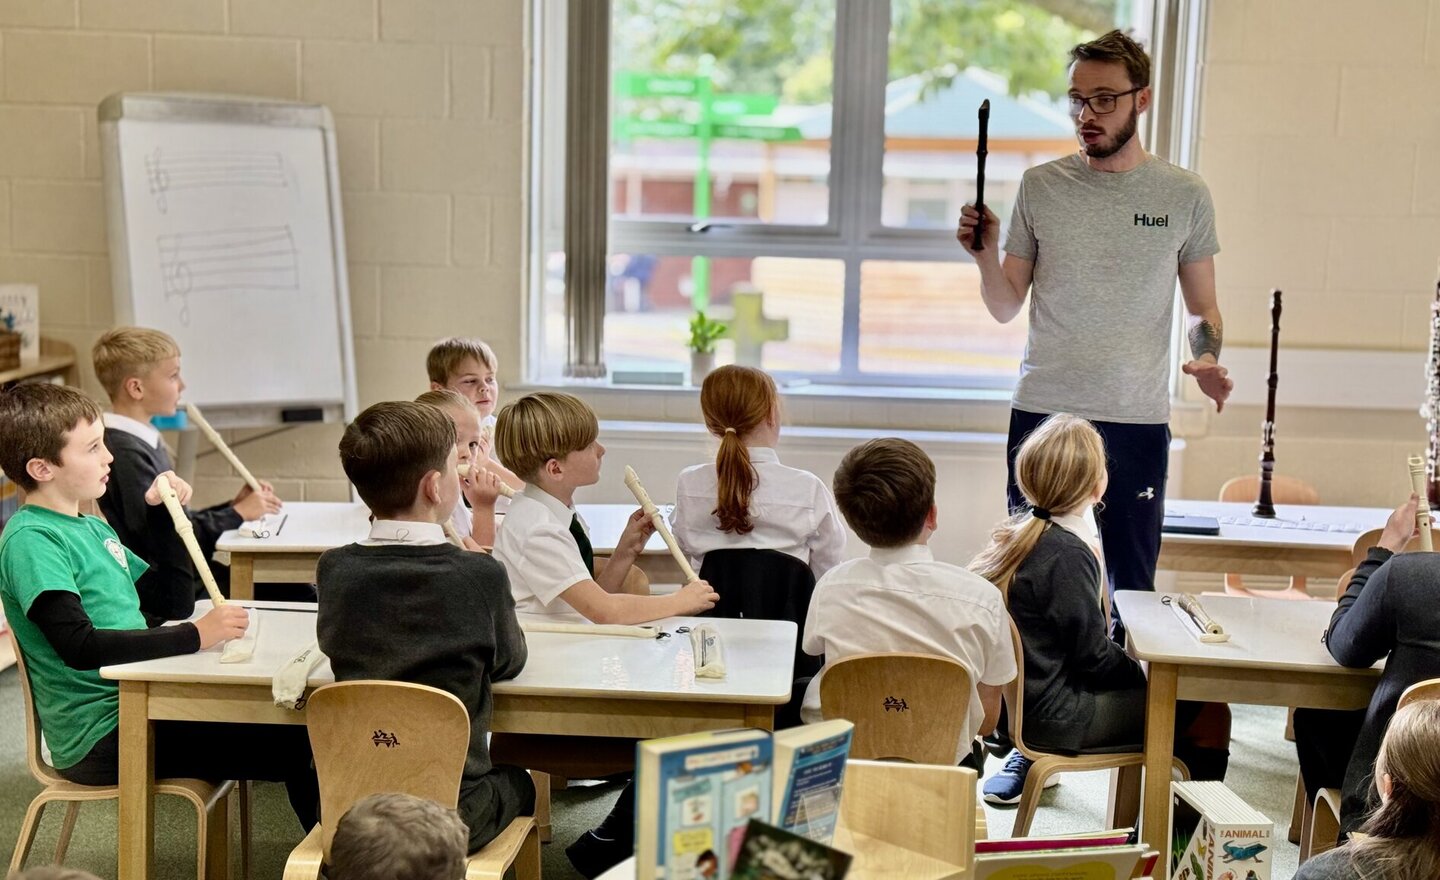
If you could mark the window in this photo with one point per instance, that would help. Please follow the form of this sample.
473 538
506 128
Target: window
796 168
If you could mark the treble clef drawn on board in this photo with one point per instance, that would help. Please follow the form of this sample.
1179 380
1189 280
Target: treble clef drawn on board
174 172
231 260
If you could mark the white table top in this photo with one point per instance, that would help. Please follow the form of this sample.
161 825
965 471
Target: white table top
1263 633
758 656
317 526
1296 525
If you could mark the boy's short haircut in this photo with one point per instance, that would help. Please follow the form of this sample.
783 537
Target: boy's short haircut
126 352
885 489
395 836
34 419
54 872
447 355
446 399
541 426
389 449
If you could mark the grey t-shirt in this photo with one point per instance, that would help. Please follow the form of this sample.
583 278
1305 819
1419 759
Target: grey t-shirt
1107 248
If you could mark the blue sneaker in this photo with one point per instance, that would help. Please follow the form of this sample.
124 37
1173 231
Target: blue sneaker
1005 786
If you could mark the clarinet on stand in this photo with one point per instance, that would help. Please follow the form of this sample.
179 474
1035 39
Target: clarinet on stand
1265 505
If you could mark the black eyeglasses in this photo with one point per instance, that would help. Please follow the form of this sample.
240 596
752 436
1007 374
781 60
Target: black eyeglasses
1099 104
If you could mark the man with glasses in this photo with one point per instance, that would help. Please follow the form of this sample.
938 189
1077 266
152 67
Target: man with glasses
1101 236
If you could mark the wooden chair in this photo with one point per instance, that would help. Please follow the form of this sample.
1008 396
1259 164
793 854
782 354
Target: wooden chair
426 738
1284 490
1124 805
921 809
908 707
1362 546
1429 689
211 802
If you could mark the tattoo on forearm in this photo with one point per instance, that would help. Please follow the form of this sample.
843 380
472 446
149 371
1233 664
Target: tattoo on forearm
1205 339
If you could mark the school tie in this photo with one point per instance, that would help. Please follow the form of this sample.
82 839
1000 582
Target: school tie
582 540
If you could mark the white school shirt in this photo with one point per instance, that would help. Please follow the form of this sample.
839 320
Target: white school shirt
502 504
792 511
146 432
395 531
540 555
901 599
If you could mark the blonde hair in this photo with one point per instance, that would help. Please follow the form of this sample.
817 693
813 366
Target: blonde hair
447 355
1403 835
127 352
542 426
394 836
1058 468
446 399
734 401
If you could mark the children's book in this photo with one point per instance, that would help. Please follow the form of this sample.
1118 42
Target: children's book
1111 837
770 853
1214 835
20 313
809 770
1065 859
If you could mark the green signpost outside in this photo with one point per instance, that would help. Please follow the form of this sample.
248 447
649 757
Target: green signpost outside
726 117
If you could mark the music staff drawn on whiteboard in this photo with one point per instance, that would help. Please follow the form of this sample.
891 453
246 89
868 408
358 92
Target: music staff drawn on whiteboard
260 258
201 169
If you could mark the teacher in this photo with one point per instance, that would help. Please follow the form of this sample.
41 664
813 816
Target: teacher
1101 236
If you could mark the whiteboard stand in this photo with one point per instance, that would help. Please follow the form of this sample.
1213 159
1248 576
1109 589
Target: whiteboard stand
226 232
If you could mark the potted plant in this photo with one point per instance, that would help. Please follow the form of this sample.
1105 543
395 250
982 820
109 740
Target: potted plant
704 332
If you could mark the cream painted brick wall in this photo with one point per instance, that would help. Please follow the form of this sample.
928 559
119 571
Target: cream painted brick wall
430 158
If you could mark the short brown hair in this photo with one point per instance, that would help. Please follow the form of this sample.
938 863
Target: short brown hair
394 836
885 489
445 357
389 449
34 421
1117 46
542 426
126 352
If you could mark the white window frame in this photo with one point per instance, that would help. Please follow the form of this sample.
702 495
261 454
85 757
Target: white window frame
854 231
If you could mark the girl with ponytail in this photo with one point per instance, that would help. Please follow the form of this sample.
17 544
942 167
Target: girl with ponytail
747 499
1083 693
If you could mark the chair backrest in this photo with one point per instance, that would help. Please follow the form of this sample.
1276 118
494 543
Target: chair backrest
1015 695
1283 490
762 585
907 706
928 810
1420 690
1343 583
378 736
636 582
1361 548
43 772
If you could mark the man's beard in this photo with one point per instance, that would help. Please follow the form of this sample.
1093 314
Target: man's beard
1100 150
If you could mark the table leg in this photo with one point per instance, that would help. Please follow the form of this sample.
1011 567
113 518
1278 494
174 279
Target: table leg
760 717
137 783
242 576
1159 750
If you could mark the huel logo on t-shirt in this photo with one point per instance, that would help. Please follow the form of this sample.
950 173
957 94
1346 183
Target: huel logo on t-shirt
1147 220
118 552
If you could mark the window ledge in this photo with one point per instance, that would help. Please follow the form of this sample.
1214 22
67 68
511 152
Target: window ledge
800 390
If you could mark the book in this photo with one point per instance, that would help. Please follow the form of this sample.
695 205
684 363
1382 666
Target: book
808 773
1214 835
694 796
1064 859
20 313
1190 525
770 853
1111 837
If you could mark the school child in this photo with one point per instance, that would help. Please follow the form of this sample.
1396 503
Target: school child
140 371
551 440
394 836
1401 839
405 604
67 585
468 366
900 598
474 514
1083 693
746 498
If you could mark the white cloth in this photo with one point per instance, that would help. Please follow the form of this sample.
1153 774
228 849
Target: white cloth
540 555
461 519
146 432
901 599
396 531
791 509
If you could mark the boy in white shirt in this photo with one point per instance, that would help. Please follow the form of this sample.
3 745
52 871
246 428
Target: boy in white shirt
899 598
551 441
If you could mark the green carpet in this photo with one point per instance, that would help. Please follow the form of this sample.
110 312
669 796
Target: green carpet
1262 771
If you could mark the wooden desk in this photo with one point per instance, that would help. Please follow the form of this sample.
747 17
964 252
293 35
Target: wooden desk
1287 551
1274 658
580 685
312 527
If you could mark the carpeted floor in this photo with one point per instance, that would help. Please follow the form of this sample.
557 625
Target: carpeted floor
1262 771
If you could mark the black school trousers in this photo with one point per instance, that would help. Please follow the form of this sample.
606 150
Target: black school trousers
1133 509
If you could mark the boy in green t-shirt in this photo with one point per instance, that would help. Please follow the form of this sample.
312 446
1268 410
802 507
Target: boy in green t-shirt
67 586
